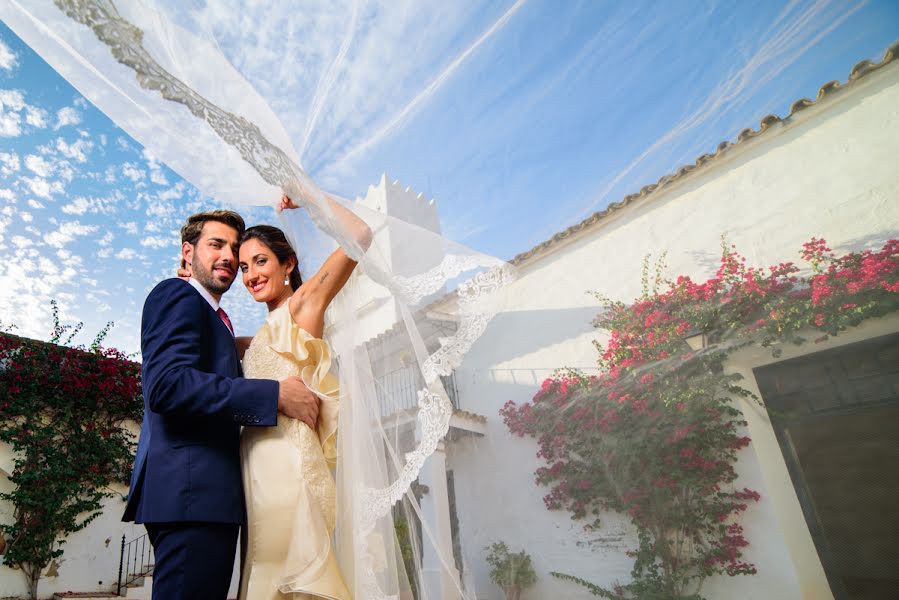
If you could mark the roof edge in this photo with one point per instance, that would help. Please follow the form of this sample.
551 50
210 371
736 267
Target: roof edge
858 72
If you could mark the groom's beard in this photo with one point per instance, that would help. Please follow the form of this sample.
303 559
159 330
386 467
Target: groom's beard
210 280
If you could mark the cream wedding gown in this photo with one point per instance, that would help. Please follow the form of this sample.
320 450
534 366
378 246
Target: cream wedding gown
290 493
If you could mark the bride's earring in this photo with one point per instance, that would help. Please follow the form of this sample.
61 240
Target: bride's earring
286 279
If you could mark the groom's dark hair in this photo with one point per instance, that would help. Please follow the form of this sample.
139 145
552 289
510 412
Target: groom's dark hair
191 231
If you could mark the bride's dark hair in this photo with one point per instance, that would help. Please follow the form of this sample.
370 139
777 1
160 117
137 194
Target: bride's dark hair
277 242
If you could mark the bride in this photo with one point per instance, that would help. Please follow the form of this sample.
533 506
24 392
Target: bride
289 491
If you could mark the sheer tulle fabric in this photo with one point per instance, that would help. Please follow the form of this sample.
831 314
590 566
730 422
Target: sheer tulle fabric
314 354
173 91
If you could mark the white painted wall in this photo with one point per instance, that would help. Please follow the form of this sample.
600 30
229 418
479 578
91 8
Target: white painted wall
91 558
390 208
831 173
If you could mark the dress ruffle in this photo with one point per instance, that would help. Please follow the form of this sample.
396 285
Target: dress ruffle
313 355
291 502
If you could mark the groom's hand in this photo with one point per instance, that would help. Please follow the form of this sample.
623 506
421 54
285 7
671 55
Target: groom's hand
184 271
297 401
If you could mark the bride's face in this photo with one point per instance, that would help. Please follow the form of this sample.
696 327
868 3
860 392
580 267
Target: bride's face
263 274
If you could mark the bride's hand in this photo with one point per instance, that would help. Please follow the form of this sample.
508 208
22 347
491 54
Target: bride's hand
184 271
287 203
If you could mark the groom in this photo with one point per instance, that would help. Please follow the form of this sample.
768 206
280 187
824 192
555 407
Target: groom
186 485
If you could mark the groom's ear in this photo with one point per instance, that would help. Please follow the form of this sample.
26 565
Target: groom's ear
187 252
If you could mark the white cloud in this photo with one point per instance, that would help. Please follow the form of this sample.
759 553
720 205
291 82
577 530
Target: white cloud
162 206
9 163
130 227
103 139
21 242
78 206
158 242
8 195
156 174
26 217
4 223
66 116
47 266
9 124
106 240
132 172
69 259
36 117
38 165
64 170
12 102
104 252
158 177
48 164
126 254
12 107
8 58
43 188
67 232
123 143
107 206
77 150
160 210
175 192
35 204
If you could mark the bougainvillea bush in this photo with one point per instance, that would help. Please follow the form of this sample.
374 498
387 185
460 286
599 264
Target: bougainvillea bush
62 411
656 435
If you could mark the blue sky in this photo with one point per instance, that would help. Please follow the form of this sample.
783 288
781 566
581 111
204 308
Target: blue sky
520 118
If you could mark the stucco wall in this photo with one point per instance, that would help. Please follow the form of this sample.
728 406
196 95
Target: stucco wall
830 172
91 558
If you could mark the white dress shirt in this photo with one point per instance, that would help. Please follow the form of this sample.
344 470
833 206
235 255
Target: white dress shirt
205 293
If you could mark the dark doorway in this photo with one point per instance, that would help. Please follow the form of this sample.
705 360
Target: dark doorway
836 416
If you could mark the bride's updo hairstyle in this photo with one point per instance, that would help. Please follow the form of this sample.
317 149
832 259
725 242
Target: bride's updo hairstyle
274 239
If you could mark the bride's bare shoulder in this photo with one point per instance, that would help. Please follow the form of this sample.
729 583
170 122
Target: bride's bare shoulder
307 312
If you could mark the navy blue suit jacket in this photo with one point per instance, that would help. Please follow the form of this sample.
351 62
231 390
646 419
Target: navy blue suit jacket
187 466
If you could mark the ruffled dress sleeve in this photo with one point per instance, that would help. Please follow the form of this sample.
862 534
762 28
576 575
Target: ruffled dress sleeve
313 357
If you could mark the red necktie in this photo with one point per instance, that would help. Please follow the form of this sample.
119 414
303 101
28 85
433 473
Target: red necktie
226 320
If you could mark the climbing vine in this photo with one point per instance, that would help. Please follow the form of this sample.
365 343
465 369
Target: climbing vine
62 411
656 435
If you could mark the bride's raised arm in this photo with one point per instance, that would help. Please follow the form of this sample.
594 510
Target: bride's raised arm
311 299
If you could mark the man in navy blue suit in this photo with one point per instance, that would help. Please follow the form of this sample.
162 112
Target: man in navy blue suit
186 485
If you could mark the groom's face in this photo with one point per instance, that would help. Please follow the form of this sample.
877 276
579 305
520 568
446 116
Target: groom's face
213 259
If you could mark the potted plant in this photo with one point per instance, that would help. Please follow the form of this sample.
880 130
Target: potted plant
512 571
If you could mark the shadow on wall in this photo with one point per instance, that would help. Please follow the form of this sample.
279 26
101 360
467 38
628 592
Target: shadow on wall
873 241
515 334
500 467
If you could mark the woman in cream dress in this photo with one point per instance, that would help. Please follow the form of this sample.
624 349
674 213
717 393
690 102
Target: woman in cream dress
289 490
